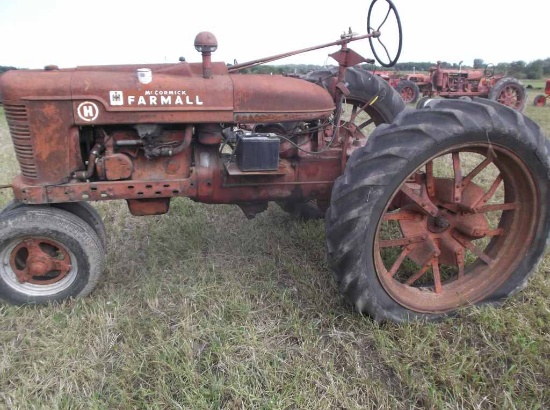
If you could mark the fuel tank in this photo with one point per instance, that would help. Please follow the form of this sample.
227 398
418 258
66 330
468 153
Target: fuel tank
168 93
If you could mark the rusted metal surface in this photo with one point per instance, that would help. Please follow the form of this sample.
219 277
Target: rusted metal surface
210 181
39 261
260 98
445 223
150 206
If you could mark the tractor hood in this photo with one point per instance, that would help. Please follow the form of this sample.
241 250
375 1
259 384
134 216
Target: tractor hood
168 93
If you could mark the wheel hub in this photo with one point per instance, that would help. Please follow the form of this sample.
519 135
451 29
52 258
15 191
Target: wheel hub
446 230
438 224
38 267
40 261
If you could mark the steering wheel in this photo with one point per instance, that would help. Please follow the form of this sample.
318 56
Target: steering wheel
370 29
489 70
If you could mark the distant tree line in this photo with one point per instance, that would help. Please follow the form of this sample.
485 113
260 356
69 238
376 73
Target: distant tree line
533 70
4 68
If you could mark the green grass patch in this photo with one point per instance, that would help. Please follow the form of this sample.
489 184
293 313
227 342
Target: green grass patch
535 84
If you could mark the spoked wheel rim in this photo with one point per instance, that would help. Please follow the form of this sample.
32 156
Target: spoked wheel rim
456 229
357 122
408 94
37 266
511 96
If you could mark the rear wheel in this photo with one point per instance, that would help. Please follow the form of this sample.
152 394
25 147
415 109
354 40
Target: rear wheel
540 101
47 255
510 92
425 222
408 90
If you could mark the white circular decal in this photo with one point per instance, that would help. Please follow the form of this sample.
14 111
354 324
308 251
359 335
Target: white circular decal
87 111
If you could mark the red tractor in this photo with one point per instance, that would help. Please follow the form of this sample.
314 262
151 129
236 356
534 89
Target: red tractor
540 100
459 83
426 211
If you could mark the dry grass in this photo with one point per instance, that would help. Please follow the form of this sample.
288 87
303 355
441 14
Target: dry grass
203 309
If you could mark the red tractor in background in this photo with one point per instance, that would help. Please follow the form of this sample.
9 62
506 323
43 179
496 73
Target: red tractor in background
484 83
405 84
540 100
426 211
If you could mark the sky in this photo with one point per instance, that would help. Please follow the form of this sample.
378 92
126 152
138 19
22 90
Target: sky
70 33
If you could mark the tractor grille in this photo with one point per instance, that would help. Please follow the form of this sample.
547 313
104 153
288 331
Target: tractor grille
21 136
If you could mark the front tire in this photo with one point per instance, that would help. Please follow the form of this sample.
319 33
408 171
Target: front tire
408 90
47 255
539 101
83 210
444 208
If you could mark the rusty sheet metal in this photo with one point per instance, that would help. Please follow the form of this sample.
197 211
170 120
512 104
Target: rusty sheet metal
166 98
98 191
208 182
264 98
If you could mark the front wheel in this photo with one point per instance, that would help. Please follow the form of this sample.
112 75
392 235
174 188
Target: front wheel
47 255
408 90
423 223
540 101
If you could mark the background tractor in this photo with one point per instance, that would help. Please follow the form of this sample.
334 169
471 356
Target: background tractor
465 83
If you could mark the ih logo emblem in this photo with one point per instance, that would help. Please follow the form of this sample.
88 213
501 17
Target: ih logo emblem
116 97
87 111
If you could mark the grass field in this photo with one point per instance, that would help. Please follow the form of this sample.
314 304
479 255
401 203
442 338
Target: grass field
204 309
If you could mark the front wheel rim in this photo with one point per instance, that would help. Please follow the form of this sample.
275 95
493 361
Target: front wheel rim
37 266
511 96
407 94
446 241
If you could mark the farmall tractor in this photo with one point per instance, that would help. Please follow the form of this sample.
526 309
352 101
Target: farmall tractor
426 210
466 84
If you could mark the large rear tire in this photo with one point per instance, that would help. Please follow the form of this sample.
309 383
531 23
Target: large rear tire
446 207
